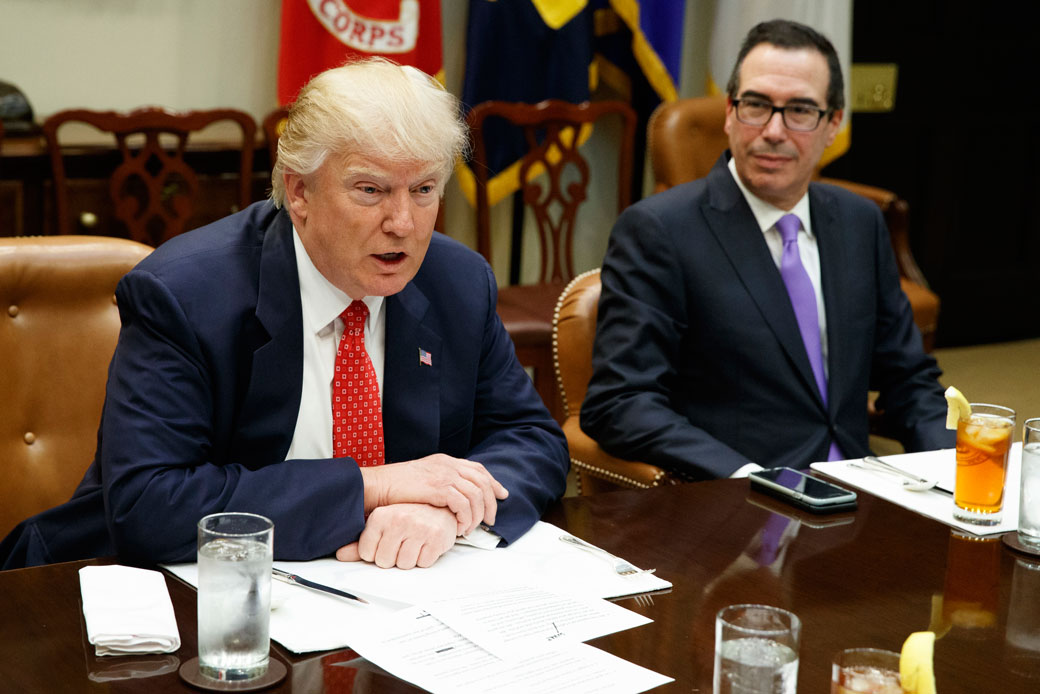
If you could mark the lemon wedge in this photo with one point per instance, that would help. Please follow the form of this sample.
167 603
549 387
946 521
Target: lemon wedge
957 407
916 673
940 623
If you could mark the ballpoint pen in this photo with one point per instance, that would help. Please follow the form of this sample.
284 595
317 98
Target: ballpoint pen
293 579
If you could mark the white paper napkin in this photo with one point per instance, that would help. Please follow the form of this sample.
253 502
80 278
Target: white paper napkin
936 465
127 610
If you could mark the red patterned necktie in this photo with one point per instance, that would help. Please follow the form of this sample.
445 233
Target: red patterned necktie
357 418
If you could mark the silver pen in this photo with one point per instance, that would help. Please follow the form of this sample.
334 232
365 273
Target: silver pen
293 579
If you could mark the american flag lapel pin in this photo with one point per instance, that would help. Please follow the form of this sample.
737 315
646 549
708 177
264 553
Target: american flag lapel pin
425 357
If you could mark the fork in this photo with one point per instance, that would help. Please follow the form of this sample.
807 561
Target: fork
911 481
621 567
644 600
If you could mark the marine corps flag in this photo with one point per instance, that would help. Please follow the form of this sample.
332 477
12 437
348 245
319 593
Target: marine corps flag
319 34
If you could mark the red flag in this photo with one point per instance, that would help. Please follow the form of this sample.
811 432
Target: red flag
319 34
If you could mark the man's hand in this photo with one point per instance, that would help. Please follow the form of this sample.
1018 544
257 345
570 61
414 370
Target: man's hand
464 487
403 535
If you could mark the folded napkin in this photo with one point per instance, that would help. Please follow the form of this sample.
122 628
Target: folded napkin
127 610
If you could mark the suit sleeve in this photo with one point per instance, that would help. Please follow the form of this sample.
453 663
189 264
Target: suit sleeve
514 436
629 407
164 465
910 395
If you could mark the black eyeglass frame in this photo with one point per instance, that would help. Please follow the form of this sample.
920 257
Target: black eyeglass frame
820 113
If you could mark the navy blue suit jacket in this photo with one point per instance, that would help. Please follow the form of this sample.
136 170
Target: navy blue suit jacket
699 366
204 391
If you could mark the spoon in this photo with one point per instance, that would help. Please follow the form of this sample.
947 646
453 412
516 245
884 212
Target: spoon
911 482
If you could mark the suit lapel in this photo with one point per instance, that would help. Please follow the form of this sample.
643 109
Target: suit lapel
411 402
833 255
734 226
271 404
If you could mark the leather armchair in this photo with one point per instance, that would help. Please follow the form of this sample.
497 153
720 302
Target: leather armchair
685 137
57 337
574 330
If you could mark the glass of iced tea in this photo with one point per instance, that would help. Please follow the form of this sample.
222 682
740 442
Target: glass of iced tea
983 441
865 671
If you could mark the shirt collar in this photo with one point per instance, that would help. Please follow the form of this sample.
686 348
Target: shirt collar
323 301
767 214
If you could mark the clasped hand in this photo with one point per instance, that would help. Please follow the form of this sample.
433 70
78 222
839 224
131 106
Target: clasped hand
416 509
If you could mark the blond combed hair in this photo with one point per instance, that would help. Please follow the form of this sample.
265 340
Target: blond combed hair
372 107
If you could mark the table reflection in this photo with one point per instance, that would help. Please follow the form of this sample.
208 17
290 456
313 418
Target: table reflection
1023 621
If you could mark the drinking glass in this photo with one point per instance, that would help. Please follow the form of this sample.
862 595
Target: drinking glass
1029 508
234 554
983 441
756 650
865 671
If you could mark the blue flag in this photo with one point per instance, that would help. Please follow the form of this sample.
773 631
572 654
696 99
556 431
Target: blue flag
531 50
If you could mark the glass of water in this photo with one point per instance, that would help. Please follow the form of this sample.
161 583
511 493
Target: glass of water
1029 508
756 650
865 671
234 554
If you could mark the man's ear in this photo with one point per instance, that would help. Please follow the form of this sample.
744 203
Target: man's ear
834 125
296 194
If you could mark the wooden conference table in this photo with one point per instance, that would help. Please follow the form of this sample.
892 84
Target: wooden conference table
863 579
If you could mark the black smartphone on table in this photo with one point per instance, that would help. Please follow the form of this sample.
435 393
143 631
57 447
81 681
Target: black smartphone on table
802 491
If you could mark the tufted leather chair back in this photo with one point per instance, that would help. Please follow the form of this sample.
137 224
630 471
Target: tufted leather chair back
574 332
58 331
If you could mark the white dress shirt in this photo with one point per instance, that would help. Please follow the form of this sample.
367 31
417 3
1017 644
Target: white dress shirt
322 330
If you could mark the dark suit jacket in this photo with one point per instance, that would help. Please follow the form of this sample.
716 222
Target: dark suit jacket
204 391
699 366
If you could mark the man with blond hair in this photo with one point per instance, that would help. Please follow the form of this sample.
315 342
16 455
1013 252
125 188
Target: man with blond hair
324 359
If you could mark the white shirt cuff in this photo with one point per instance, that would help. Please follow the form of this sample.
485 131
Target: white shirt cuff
743 471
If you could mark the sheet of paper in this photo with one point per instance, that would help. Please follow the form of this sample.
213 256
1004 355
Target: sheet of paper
415 646
304 621
519 621
940 466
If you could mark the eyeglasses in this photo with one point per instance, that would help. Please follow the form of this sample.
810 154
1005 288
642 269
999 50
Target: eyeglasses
800 117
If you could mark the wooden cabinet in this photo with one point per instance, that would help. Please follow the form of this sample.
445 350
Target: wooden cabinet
27 197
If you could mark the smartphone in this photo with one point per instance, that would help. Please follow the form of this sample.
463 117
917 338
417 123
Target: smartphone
802 491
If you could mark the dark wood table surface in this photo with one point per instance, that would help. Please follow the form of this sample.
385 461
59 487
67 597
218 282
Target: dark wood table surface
862 579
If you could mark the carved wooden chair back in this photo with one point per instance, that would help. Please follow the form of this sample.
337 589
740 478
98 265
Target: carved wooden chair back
153 189
272 126
552 133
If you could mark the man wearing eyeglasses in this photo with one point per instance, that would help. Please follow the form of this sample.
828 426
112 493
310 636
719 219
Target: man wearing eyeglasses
745 316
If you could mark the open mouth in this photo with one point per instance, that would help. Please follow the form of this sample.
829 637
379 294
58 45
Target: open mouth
390 257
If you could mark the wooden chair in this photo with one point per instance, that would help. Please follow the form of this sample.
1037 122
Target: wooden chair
57 339
686 137
554 178
574 330
272 126
153 189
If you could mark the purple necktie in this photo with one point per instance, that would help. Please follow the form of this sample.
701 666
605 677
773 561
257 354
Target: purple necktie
803 300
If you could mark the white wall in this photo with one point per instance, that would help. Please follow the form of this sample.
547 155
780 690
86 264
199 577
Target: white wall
121 54
184 54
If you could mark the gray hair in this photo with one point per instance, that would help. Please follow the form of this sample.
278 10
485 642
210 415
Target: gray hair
372 107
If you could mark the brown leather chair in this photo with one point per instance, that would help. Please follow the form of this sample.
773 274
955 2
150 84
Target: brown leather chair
153 189
549 129
574 330
685 137
57 338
